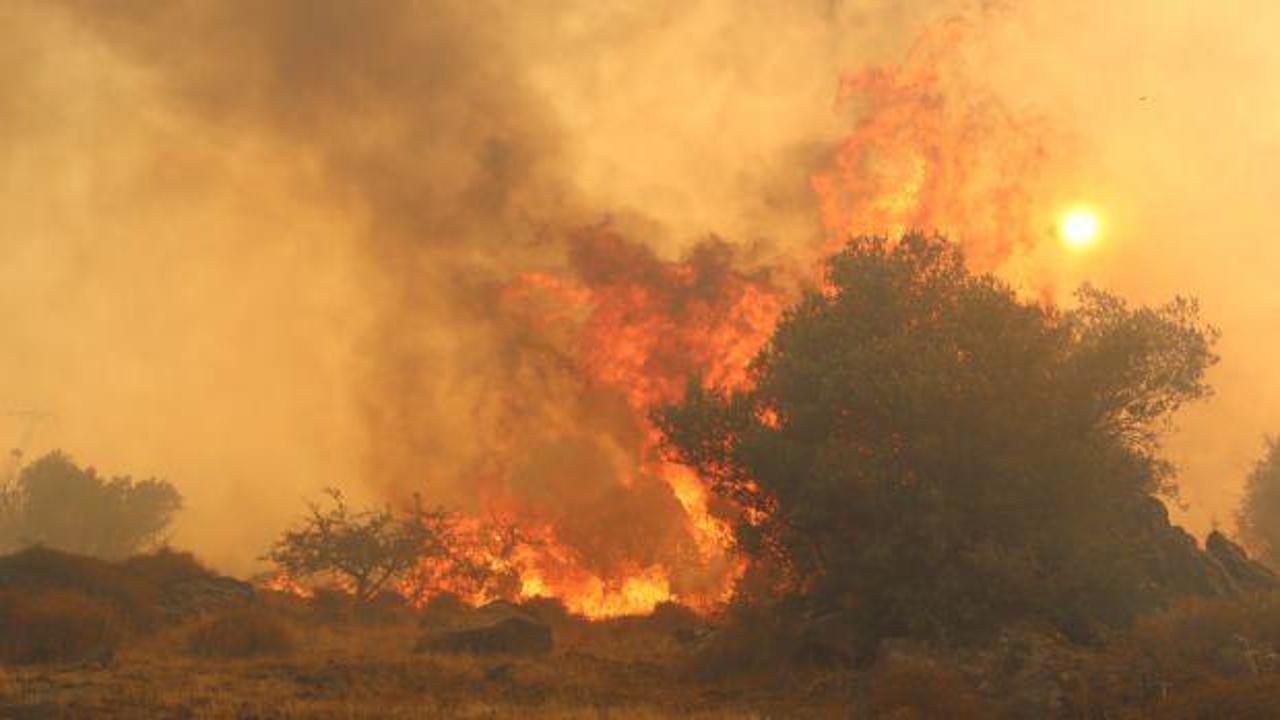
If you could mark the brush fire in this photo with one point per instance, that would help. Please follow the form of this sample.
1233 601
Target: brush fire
830 358
621 331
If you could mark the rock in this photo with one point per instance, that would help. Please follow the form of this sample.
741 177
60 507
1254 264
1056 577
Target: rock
1246 573
193 597
1174 566
512 636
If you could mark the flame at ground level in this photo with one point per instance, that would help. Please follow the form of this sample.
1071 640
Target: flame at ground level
590 513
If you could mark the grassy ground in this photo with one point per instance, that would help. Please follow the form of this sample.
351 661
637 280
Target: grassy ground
362 671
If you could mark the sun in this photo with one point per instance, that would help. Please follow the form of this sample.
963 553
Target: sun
1078 228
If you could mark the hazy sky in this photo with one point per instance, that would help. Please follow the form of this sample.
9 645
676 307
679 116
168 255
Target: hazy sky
249 246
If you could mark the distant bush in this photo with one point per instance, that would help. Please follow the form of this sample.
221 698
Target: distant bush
1258 517
60 504
247 632
55 626
166 567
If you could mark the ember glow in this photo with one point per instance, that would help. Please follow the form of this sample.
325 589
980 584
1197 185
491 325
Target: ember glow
627 330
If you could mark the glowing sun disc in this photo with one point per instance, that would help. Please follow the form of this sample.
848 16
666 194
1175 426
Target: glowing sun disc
1078 228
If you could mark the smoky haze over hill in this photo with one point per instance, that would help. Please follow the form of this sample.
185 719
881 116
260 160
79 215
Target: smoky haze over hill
260 248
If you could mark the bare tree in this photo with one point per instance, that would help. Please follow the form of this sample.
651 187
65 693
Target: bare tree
366 548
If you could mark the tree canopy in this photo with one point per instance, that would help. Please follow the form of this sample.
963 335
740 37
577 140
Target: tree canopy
925 447
62 505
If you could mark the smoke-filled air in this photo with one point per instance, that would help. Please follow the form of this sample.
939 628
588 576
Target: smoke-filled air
539 276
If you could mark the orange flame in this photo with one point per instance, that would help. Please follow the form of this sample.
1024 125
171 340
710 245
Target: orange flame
626 324
933 154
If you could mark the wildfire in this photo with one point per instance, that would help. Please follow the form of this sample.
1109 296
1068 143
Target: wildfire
609 527
927 157
595 517
282 583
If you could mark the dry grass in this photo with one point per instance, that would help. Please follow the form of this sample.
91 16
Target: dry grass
291 658
241 633
50 626
362 671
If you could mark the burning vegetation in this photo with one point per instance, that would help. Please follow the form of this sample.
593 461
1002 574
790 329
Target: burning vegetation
853 434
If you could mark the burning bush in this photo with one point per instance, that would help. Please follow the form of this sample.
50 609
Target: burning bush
363 550
246 632
55 626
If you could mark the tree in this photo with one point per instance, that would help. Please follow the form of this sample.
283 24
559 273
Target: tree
60 504
366 549
1258 518
932 453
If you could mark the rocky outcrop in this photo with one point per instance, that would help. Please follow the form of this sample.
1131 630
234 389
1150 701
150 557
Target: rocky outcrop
1248 575
513 636
1173 564
496 628
204 595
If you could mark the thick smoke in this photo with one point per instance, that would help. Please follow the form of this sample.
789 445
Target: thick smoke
264 247
285 229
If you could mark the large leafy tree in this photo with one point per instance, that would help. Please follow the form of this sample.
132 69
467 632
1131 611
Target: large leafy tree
58 503
1259 516
926 449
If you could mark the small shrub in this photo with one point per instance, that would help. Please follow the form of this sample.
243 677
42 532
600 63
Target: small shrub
1230 636
444 611
246 632
385 608
330 606
753 639
672 617
923 689
167 567
547 610
39 569
1247 698
55 626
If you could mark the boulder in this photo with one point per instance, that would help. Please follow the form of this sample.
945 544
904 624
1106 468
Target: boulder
1247 574
204 595
511 636
1175 566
